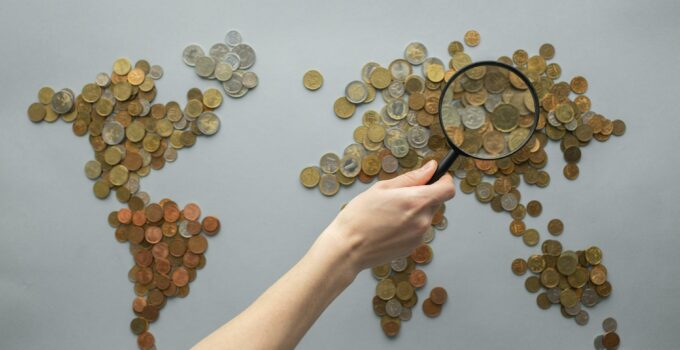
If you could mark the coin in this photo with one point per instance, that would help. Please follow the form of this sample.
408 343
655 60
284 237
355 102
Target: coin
310 177
343 108
555 227
472 38
430 309
415 53
356 92
312 80
438 295
519 266
609 324
328 184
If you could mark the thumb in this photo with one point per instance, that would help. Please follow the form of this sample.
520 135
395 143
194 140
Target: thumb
416 177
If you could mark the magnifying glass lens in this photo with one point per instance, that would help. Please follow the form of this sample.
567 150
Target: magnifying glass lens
488 111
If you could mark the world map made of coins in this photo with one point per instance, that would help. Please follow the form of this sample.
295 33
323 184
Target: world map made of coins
405 133
131 136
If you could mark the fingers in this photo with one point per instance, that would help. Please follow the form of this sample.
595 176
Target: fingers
438 192
416 177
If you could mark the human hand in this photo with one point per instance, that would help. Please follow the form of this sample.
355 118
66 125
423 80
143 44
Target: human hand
388 220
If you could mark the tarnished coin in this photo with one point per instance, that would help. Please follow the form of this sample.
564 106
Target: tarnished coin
93 169
609 324
113 132
219 52
62 101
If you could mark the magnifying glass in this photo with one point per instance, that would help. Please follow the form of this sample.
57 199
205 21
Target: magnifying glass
488 110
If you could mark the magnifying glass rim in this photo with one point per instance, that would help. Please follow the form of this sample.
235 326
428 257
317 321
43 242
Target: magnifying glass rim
530 87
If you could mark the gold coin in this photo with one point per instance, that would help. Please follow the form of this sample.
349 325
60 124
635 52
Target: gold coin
212 98
45 95
579 85
593 255
380 78
530 237
101 189
547 51
472 38
555 227
312 80
386 289
343 108
36 112
309 177
122 66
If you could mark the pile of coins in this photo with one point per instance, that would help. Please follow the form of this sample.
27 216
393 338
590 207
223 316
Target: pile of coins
168 246
398 280
610 339
130 136
227 62
405 133
570 279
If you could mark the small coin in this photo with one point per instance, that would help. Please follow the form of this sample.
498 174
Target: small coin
343 108
609 324
310 177
555 227
472 38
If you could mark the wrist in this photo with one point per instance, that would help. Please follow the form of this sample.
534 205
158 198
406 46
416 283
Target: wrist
335 251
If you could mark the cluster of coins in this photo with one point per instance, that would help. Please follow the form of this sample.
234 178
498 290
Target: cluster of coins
227 62
570 279
398 280
130 135
405 132
610 340
168 246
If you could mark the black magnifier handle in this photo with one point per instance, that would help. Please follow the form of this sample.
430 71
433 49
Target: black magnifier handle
443 166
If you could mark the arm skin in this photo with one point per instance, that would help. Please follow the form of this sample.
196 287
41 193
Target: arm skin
385 222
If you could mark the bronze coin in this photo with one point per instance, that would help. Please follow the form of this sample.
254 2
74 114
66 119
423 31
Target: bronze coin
431 309
146 341
211 225
438 295
154 212
191 212
417 278
138 325
180 277
611 340
197 244
193 227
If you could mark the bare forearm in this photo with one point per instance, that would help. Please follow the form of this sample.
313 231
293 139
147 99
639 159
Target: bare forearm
282 315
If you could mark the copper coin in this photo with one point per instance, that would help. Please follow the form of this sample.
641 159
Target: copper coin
162 265
146 341
154 212
193 227
144 258
191 260
438 295
191 212
555 227
170 213
211 225
519 266
124 216
150 313
169 229
135 234
160 250
121 234
155 297
534 208
138 325
138 304
197 244
611 340
144 275
422 254
113 219
391 328
139 218
431 309
153 234
183 291
161 281
418 278
180 277
177 247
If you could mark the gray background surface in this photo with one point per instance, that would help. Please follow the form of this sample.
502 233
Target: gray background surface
63 276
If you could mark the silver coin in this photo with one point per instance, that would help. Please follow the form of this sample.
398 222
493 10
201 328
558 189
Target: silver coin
472 117
181 124
385 117
366 71
247 55
386 96
191 53
400 148
328 183
182 228
102 79
390 164
233 85
582 318
396 89
146 107
589 297
399 264
598 343
609 324
219 52
552 119
355 149
442 225
356 91
62 101
329 163
144 197
429 235
234 60
492 101
170 154
400 69
223 71
156 72
415 53
244 90
571 126
113 132
418 136
393 307
132 183
585 117
509 201
450 116
554 295
350 165
484 190
205 66
208 123
412 118
573 310
405 314
249 80
397 109
233 38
